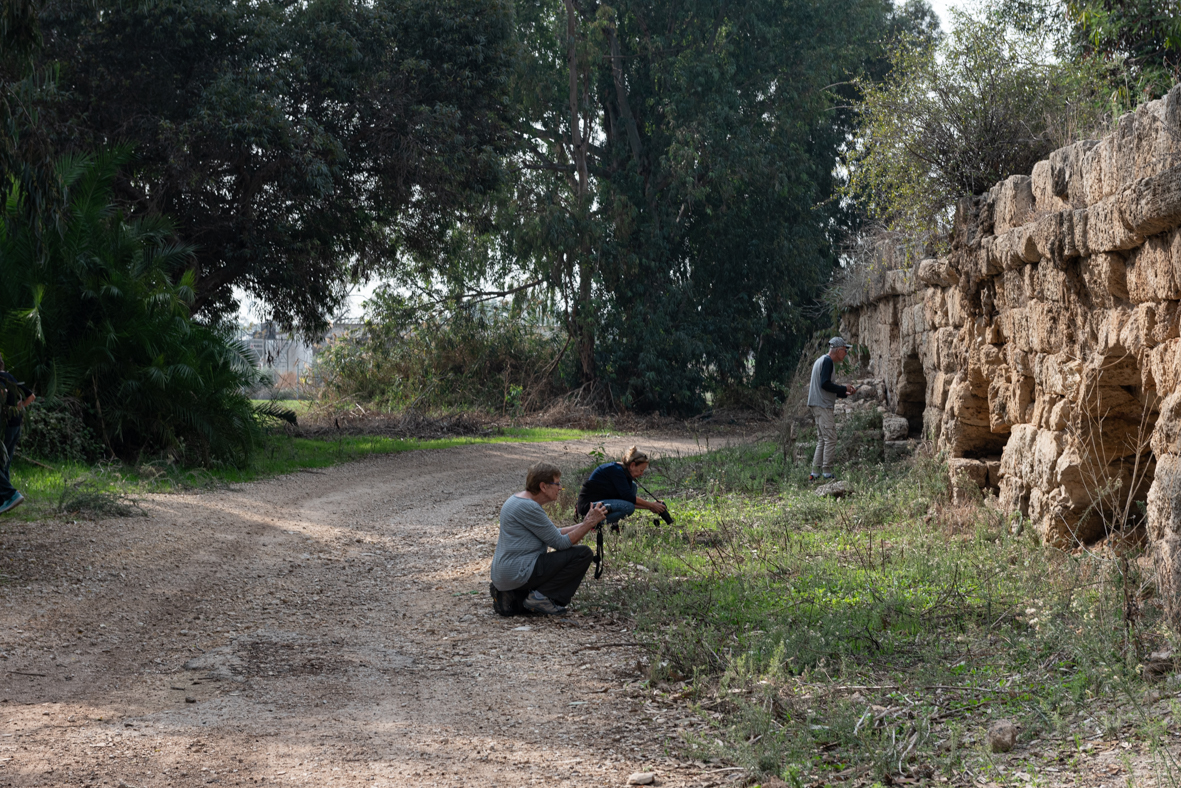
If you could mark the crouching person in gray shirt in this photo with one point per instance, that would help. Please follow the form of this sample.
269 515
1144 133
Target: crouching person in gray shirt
524 574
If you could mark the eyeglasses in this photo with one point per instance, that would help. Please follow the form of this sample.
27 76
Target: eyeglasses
555 484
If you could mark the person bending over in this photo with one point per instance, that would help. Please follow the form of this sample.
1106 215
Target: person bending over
613 484
524 574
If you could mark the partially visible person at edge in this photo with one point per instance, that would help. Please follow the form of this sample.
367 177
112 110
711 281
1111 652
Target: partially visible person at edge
524 574
822 399
613 484
16 397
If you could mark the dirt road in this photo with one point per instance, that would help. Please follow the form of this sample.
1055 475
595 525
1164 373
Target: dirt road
327 628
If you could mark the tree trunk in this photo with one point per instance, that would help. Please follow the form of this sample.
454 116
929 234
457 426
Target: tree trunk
583 322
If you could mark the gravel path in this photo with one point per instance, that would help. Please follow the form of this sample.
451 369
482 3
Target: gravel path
326 628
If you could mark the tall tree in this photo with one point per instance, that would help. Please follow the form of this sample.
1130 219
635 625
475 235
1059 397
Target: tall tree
296 146
675 179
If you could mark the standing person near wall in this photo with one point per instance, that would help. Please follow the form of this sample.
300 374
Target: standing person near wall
14 398
822 399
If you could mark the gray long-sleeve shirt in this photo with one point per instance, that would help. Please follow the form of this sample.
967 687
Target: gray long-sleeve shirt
525 533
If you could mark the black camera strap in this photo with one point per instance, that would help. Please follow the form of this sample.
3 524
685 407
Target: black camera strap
598 559
665 515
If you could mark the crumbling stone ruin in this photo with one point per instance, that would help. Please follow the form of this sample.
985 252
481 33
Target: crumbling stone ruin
1043 352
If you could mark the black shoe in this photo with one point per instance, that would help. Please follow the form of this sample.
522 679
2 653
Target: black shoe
505 603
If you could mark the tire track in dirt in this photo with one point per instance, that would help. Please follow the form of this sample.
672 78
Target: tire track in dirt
323 628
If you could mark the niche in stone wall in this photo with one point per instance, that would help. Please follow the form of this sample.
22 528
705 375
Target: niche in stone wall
911 394
1106 466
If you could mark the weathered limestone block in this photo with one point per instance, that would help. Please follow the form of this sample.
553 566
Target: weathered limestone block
1058 522
1014 494
1066 171
1152 205
1164 532
1020 361
1105 275
957 311
1025 243
1014 201
1047 192
1017 458
1053 237
1050 327
935 305
1166 437
1152 269
1098 179
1131 336
1079 229
1164 367
1059 374
1009 401
937 273
895 428
967 471
1010 290
1014 325
1058 416
1046 451
994 471
994 256
1109 328
938 387
895 283
1106 231
1168 322
950 348
913 321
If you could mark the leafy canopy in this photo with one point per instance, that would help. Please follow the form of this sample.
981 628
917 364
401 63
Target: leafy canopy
295 146
953 119
673 181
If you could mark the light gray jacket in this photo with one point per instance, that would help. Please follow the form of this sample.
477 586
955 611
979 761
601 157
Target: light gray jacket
525 533
823 393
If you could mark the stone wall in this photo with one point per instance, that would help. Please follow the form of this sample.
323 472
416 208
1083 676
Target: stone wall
1043 351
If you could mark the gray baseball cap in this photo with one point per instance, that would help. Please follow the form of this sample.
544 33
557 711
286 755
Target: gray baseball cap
837 342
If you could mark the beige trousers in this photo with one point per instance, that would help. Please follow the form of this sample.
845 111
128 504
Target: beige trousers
826 439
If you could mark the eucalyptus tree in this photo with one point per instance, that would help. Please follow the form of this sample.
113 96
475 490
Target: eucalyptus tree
675 176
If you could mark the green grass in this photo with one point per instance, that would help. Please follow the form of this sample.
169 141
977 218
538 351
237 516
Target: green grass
110 488
871 637
300 406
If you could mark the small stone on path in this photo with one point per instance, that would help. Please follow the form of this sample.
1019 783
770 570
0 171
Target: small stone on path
642 778
1002 735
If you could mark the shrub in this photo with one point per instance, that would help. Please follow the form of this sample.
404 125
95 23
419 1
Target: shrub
96 309
488 357
954 118
55 429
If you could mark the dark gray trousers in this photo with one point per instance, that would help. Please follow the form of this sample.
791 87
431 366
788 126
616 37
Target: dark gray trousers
557 574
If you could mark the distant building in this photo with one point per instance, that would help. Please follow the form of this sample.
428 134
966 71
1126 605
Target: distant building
283 353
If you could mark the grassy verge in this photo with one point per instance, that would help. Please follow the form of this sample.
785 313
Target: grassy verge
300 406
109 489
875 638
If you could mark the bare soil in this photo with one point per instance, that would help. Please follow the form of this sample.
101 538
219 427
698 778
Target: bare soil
328 628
